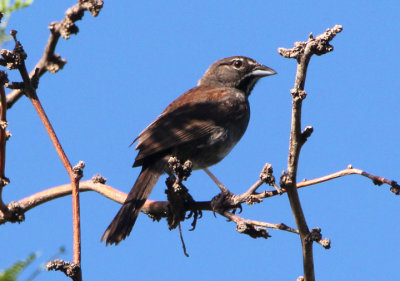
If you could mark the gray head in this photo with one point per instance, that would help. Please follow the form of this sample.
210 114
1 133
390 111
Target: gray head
237 72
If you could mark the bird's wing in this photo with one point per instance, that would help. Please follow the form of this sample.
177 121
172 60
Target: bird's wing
183 121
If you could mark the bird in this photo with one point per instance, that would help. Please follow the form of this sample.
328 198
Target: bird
202 125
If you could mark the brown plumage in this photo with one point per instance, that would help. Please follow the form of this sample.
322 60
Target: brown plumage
202 125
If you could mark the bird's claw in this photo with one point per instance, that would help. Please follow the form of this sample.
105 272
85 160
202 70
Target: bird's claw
225 201
196 215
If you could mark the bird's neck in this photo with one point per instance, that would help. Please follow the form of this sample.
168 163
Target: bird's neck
247 84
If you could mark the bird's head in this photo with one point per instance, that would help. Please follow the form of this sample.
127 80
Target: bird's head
238 72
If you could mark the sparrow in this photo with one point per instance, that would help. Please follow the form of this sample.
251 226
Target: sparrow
202 125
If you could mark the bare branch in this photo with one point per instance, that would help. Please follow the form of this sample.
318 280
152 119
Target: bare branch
16 59
257 229
158 208
302 52
266 176
153 208
71 270
377 180
3 137
50 61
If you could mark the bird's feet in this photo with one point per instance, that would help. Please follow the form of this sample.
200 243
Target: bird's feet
224 201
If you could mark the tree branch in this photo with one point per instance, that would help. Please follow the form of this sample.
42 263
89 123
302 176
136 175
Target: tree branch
302 52
3 137
16 60
97 184
377 180
50 61
158 209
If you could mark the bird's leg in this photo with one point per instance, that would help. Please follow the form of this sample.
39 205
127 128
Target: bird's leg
221 186
226 199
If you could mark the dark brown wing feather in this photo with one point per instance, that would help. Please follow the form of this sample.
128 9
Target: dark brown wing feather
182 121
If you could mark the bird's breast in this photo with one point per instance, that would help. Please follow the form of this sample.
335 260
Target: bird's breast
225 135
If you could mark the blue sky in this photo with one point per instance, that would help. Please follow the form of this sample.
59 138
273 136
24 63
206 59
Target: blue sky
127 65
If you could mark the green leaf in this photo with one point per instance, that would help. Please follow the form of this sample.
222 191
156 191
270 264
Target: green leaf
4 4
11 273
7 8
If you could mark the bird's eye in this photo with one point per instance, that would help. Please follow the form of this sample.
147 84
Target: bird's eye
237 63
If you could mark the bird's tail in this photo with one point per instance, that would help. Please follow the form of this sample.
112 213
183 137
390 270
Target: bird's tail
122 224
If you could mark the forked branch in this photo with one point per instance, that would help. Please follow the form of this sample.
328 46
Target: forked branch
302 52
50 61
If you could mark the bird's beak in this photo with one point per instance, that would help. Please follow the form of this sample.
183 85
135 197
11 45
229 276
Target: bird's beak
262 70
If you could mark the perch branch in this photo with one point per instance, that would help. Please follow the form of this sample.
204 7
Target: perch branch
226 200
158 209
97 184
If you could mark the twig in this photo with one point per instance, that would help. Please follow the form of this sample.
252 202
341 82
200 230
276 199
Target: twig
394 186
50 61
182 241
3 126
266 176
73 176
377 180
238 220
302 52
16 60
226 200
154 208
97 184
3 138
72 270
50 194
257 229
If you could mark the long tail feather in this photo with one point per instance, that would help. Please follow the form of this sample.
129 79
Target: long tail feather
123 222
